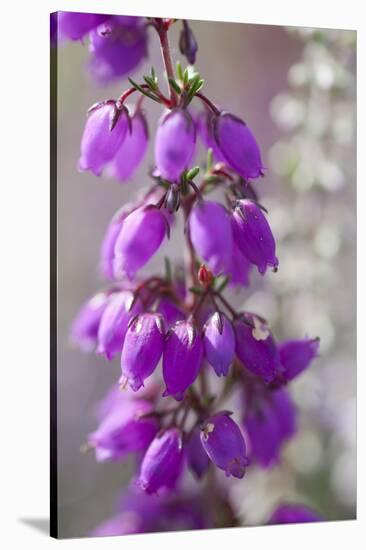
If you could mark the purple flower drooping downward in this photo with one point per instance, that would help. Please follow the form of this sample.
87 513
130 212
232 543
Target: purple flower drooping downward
196 455
132 151
238 145
296 356
99 142
204 123
294 513
162 463
239 269
109 242
211 234
74 26
219 343
174 144
117 47
256 347
124 430
142 349
114 322
142 233
84 330
182 358
224 443
253 235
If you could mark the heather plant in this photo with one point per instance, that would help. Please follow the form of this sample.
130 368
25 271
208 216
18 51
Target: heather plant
221 403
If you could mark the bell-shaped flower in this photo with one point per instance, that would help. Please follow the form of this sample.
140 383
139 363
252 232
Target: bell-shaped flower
211 235
142 349
102 137
256 347
114 322
170 311
204 123
74 25
238 145
127 428
163 462
253 235
197 457
117 48
175 141
224 443
141 235
219 343
106 262
132 151
84 329
182 358
294 513
297 355
269 422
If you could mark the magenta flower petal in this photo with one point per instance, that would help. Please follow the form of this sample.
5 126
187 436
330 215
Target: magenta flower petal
170 311
84 329
108 244
256 347
294 513
205 128
132 151
211 235
174 144
141 235
182 358
142 349
253 235
297 355
219 343
162 463
238 145
99 143
224 443
196 455
74 26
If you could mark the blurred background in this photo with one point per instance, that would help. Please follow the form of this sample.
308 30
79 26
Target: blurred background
296 89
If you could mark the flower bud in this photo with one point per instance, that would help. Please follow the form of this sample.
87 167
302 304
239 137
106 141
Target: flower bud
219 343
174 144
117 48
224 443
84 330
294 513
187 43
196 455
114 323
74 26
141 235
162 463
205 276
99 143
124 430
238 145
182 358
211 234
132 151
296 356
253 235
142 349
256 347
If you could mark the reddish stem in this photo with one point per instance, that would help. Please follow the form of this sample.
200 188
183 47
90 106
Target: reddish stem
162 27
208 102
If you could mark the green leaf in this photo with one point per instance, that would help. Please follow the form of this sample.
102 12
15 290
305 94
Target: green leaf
174 85
180 71
209 160
222 284
196 290
192 173
144 92
150 82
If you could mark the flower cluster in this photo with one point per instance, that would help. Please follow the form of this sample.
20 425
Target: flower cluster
175 421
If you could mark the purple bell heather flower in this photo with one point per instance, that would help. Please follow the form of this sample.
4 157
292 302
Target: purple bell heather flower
109 242
163 461
224 443
142 349
117 48
170 311
211 234
294 513
132 151
204 123
187 43
253 235
296 355
240 268
182 358
269 423
238 145
99 143
141 235
196 455
124 430
256 347
114 322
219 343
174 143
74 26
84 330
